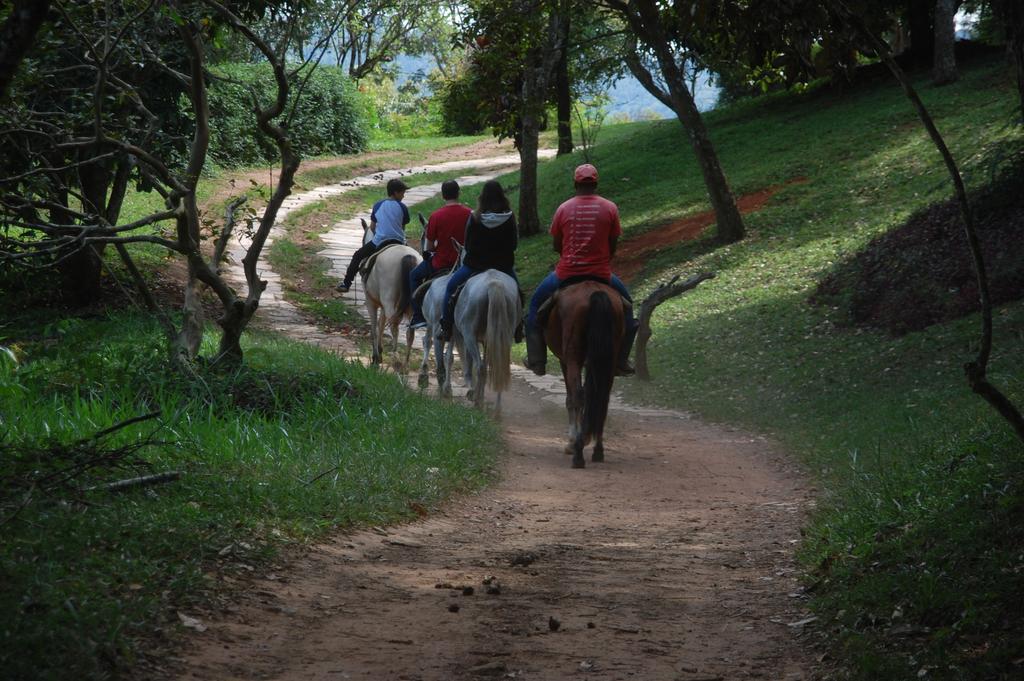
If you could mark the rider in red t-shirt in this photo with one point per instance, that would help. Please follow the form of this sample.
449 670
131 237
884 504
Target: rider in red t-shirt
584 231
444 224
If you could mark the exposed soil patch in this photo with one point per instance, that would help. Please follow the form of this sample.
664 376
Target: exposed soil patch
672 560
921 273
633 253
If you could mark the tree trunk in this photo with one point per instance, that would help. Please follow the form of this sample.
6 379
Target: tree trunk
922 32
944 65
730 222
190 338
17 35
232 325
529 141
1012 14
646 25
564 97
536 81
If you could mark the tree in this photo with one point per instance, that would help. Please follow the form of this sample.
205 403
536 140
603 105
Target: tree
17 34
659 56
519 44
73 166
944 64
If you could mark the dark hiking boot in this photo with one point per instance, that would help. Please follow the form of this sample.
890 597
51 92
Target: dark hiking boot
343 287
446 330
536 352
624 368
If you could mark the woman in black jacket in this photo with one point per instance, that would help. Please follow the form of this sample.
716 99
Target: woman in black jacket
491 240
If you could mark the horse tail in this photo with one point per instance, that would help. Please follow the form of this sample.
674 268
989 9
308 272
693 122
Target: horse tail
408 264
599 362
501 321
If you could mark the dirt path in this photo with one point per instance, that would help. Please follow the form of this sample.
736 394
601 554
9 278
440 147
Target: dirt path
672 560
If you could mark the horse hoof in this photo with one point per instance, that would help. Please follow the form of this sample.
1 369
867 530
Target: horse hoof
579 463
597 456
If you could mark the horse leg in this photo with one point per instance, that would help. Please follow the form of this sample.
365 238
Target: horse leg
472 370
424 377
481 381
574 389
393 325
375 333
449 359
439 354
410 337
598 453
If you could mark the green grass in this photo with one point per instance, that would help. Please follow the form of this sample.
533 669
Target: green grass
909 462
86 584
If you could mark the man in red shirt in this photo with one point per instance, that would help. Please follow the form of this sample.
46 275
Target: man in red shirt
446 223
584 231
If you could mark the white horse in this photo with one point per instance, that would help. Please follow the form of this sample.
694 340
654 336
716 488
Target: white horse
487 313
388 295
433 308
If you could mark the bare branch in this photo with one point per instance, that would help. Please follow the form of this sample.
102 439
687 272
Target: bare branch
658 296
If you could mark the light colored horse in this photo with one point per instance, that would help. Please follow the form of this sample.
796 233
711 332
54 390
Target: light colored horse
487 313
388 295
433 308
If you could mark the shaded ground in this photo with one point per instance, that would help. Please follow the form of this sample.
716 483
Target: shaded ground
632 254
672 560
921 273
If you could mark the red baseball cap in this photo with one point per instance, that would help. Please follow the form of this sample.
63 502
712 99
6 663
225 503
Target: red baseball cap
585 173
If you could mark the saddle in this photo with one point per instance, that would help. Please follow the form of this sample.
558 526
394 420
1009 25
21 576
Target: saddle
545 309
367 265
421 291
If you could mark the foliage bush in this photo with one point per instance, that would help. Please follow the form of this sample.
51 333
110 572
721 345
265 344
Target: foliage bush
401 111
459 106
328 118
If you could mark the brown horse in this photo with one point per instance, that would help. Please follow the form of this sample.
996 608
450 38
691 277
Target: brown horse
585 330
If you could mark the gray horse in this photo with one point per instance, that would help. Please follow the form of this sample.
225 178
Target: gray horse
486 314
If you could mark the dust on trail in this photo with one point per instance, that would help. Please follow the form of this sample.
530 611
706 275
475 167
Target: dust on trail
671 560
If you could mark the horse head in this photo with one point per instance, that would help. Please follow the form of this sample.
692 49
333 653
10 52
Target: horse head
424 246
367 231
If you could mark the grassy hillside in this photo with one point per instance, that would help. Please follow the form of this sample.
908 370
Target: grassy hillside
915 553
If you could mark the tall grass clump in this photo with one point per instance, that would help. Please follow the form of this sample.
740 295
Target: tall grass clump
294 443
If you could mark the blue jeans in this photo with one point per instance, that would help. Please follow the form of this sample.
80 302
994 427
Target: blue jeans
458 278
420 274
547 287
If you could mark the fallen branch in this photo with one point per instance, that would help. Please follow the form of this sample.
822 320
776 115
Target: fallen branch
658 296
141 481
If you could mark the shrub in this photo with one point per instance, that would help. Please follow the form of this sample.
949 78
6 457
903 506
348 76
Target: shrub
328 119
